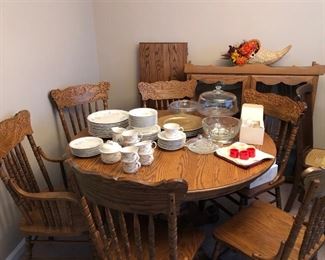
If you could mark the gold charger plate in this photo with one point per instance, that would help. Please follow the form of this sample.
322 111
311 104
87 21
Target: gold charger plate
187 121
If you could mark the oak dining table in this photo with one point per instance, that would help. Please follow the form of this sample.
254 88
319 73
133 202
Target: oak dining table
208 176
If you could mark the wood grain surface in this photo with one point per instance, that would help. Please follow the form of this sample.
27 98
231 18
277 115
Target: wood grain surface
162 61
207 175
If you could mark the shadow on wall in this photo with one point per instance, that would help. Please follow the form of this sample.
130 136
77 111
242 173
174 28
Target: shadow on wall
9 221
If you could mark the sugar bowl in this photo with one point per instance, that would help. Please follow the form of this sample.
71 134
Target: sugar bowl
110 152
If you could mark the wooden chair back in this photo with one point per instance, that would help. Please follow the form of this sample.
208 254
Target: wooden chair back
75 103
282 121
305 136
123 197
162 93
315 228
17 174
312 173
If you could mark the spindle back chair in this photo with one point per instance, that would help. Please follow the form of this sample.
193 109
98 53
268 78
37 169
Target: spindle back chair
282 121
280 237
75 103
145 237
160 94
306 156
46 213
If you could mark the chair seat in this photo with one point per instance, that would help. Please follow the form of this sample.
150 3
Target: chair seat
38 228
315 158
259 229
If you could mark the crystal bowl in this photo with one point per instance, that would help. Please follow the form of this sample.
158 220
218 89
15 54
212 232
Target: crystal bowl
183 106
221 129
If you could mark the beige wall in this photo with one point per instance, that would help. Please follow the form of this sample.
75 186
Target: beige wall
44 45
51 44
208 27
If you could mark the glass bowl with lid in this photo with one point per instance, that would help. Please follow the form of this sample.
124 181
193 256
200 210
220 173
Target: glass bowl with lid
217 102
183 106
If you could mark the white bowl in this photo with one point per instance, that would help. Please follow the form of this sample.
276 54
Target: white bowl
110 158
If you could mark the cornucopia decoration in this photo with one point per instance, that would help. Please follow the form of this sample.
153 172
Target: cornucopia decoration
252 52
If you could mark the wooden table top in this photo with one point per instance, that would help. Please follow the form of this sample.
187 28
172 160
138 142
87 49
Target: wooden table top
208 176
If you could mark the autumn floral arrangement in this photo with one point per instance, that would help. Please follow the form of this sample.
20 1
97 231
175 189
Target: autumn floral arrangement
241 54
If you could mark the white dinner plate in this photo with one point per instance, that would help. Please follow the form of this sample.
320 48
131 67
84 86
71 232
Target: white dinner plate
87 142
86 146
147 130
110 116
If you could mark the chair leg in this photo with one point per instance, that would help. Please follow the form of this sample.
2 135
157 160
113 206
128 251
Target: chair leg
217 250
278 197
93 250
28 248
202 205
292 197
243 202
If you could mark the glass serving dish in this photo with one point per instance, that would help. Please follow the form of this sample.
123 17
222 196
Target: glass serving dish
201 145
221 129
183 106
217 102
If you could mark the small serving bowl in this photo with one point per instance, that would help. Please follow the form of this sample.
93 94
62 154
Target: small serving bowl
110 152
221 129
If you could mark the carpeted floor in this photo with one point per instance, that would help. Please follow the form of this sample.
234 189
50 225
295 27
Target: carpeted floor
83 251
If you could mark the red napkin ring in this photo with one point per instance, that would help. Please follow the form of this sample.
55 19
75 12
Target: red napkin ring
251 152
234 153
243 155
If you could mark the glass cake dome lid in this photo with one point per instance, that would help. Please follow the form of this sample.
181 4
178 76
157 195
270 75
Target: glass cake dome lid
217 102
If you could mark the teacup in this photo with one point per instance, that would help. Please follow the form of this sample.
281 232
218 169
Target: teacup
130 136
117 134
129 153
172 129
146 146
131 167
146 158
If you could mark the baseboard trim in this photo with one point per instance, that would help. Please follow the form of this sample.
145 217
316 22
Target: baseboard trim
17 253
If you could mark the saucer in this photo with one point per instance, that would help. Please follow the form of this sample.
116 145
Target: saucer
171 146
178 136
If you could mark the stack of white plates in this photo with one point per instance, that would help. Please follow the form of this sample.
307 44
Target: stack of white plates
171 144
143 117
100 123
86 146
148 133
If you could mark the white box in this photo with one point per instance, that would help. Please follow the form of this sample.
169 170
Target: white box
252 125
268 176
